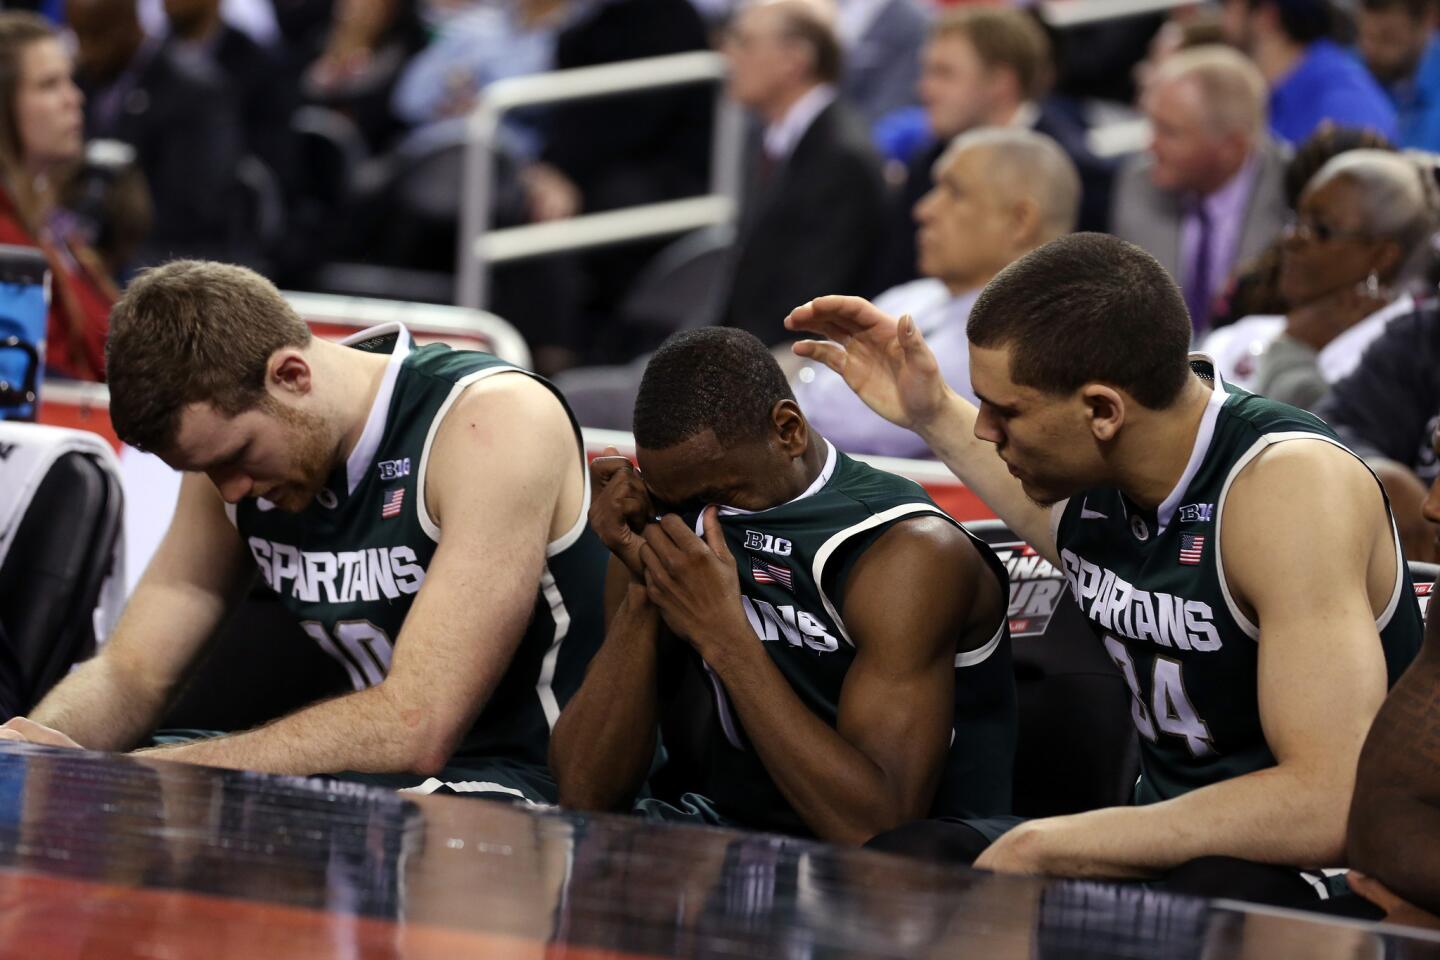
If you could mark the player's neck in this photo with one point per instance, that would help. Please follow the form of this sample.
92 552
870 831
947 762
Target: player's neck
355 376
812 464
1157 446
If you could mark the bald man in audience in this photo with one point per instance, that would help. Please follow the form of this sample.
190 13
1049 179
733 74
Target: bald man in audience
999 193
1209 193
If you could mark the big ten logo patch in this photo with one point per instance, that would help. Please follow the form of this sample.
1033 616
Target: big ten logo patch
394 469
765 543
1035 588
1196 513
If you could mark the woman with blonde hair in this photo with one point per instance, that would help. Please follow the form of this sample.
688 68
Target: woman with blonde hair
42 136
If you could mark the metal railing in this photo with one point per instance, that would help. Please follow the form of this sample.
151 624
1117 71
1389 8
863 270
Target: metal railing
1074 13
479 247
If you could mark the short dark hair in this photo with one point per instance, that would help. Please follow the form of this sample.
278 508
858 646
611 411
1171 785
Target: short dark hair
1304 21
192 331
1086 308
713 378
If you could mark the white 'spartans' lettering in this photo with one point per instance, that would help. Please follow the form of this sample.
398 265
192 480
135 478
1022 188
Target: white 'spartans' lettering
350 576
1121 608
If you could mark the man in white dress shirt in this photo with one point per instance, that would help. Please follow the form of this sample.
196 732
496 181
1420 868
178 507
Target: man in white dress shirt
999 193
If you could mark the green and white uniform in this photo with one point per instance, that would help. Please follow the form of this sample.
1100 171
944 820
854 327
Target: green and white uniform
351 563
793 562
1153 585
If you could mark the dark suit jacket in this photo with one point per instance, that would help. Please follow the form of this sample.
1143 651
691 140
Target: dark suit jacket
265 91
812 227
1096 178
638 148
1152 218
185 128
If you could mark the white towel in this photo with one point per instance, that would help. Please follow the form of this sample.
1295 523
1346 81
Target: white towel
27 452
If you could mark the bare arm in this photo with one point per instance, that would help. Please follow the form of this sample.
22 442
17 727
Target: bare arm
880 765
469 615
1395 815
888 365
604 741
1301 565
118 696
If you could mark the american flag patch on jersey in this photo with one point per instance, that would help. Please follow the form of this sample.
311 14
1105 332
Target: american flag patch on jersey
393 502
764 572
1191 546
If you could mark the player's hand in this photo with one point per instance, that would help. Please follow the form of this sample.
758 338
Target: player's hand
28 731
693 581
1396 909
884 360
619 507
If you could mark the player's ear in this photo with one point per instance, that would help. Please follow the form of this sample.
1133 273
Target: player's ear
790 427
288 372
1105 410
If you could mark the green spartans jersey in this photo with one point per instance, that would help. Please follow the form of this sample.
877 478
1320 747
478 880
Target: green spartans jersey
1153 586
350 565
793 561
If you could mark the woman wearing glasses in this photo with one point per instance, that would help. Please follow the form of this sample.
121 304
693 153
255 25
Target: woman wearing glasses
1359 245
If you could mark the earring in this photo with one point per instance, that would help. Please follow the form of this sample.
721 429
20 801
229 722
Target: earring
1372 284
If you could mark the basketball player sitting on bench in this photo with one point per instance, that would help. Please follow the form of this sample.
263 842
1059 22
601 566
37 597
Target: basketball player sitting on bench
808 634
1257 658
332 470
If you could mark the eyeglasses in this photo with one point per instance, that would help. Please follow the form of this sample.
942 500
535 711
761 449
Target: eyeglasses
1320 233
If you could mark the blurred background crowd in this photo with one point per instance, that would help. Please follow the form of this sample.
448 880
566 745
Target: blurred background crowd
1274 155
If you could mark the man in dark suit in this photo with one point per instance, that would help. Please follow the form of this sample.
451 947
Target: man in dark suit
1210 192
265 89
987 66
183 125
814 201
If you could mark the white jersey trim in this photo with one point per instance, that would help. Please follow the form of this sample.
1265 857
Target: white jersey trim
816 485
360 458
1203 439
545 684
422 511
828 548
1259 446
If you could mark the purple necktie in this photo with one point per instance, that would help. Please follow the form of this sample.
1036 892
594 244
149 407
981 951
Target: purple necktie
1197 278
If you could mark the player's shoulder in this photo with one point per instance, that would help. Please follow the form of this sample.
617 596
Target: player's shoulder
506 414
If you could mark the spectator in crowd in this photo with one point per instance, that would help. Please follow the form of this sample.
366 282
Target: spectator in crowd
177 114
999 193
1311 78
633 149
256 76
1186 27
813 210
986 66
1361 239
1394 820
108 197
881 40
1397 42
41 135
1208 193
1254 287
1386 410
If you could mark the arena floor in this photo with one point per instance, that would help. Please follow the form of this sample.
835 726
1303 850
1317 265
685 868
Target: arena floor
107 857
